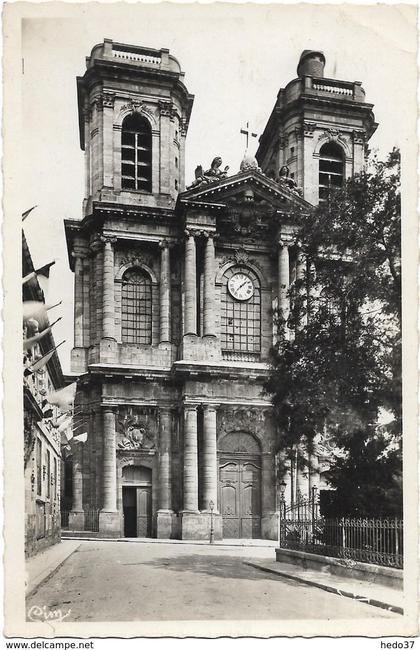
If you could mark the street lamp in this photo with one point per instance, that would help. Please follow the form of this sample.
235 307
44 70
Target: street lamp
282 486
211 506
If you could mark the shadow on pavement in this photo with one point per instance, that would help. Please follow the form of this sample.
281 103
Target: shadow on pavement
219 567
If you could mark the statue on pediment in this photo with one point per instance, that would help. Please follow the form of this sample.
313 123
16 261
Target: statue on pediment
286 180
211 175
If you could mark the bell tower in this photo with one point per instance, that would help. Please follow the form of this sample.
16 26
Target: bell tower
318 129
134 111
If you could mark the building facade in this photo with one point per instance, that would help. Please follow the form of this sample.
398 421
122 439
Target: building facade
42 449
175 290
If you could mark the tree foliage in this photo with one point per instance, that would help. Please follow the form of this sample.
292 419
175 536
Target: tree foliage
344 363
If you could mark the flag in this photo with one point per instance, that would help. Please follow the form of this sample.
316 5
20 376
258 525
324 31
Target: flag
28 343
64 397
65 424
80 437
42 361
36 309
66 436
43 270
25 214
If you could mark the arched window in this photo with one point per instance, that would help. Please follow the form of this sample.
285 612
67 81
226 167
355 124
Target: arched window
240 312
136 307
331 169
136 153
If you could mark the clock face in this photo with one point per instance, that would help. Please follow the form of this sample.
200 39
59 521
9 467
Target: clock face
240 286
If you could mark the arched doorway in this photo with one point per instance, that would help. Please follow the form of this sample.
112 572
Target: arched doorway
137 500
240 485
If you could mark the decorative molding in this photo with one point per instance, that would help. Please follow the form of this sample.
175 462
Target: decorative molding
284 141
136 259
167 109
136 429
308 129
138 106
106 239
183 127
359 137
254 421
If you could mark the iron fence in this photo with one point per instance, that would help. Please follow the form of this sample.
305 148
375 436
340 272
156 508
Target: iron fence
91 518
64 519
378 541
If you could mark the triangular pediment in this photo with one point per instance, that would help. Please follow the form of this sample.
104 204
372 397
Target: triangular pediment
259 188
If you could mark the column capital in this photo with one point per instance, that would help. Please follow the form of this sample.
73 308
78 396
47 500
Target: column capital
190 407
107 239
209 234
210 407
285 241
109 409
166 410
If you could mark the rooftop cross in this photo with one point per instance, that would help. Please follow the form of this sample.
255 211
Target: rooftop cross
248 133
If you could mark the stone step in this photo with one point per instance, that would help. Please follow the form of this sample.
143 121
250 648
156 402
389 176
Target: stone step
65 534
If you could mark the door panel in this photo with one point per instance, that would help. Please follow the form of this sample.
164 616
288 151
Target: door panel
240 498
144 511
130 512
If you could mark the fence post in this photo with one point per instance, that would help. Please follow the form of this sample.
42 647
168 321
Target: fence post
343 533
397 544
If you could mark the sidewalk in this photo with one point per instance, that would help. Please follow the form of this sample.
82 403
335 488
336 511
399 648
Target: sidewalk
366 592
41 566
258 543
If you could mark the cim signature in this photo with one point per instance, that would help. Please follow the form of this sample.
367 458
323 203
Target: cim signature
37 613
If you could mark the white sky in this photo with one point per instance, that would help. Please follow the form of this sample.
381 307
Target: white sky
236 57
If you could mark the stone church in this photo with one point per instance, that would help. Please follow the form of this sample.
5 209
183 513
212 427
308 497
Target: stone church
174 293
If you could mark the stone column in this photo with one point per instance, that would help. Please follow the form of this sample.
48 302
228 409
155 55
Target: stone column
284 281
109 462
190 324
108 315
77 515
209 457
165 108
209 272
107 138
78 299
190 459
109 519
165 483
165 293
86 301
165 514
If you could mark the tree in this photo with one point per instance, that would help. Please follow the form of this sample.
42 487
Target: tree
344 362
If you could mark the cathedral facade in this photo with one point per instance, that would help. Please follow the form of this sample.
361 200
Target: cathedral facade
175 290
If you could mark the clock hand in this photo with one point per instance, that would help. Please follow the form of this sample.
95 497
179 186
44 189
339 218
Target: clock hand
241 285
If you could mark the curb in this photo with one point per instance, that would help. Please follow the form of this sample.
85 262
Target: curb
334 590
126 540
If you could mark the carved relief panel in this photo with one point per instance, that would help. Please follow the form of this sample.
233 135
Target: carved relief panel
137 429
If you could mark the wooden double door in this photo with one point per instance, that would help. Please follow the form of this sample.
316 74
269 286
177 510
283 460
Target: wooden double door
240 496
137 510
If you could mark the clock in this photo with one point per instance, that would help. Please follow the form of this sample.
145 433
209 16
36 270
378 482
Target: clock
241 286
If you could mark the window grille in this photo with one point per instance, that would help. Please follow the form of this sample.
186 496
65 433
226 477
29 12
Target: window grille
241 320
331 169
136 308
136 154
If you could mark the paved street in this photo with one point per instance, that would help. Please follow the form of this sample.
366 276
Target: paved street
114 581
